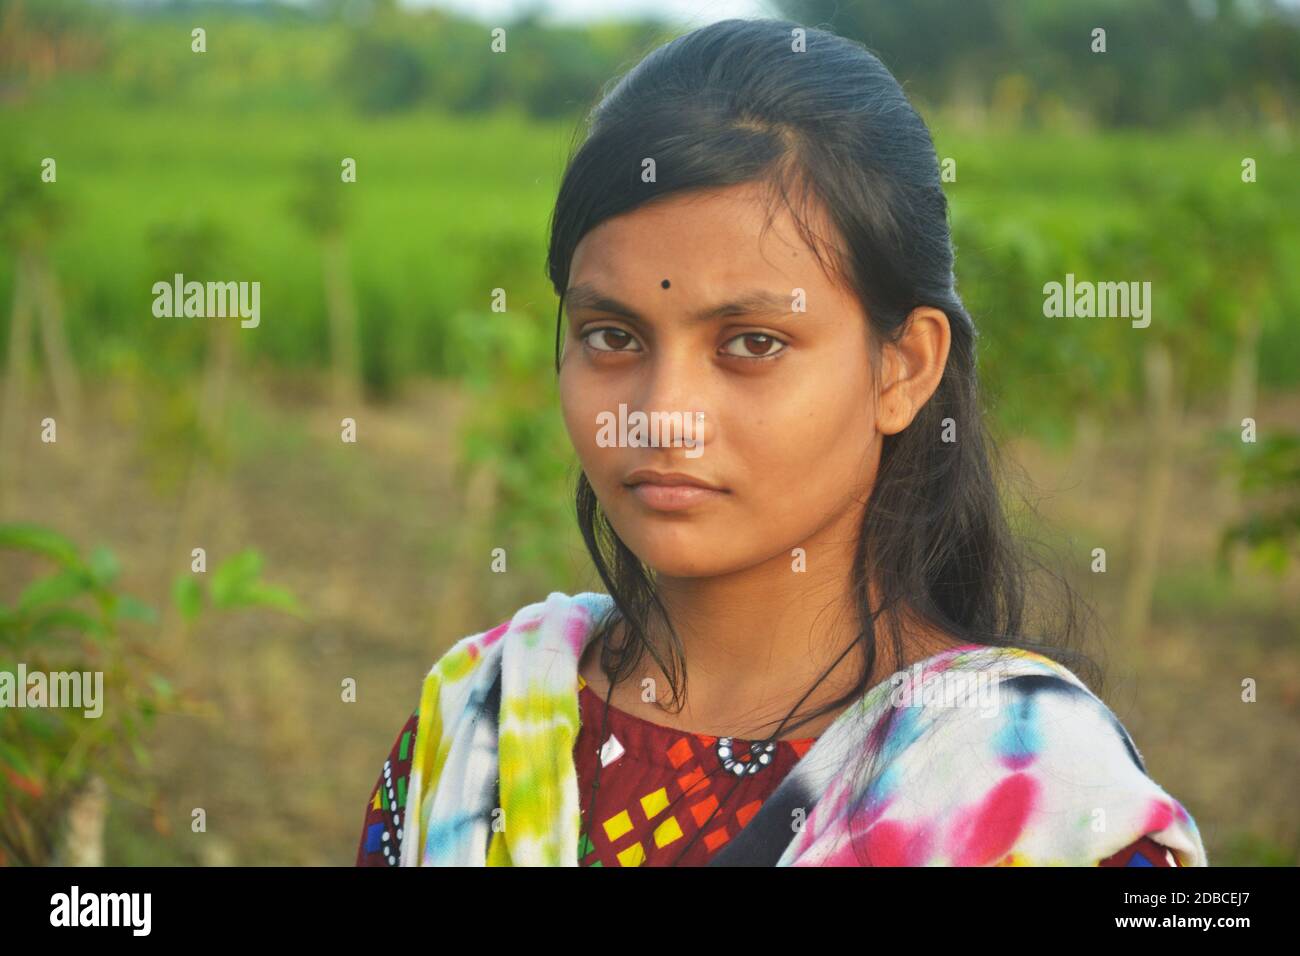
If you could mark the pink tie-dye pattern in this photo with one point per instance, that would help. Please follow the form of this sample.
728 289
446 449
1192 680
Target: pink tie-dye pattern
576 629
984 833
1159 816
494 635
896 843
872 842
829 808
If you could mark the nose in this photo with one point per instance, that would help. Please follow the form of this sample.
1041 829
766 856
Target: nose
675 405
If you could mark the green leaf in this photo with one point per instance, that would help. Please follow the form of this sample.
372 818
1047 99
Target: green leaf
188 596
134 609
41 540
67 617
103 566
267 595
55 589
234 577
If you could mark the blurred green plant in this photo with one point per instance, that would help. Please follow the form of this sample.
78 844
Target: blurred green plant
319 205
234 583
73 620
32 216
513 440
1268 474
186 417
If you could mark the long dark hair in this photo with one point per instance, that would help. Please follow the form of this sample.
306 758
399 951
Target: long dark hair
735 102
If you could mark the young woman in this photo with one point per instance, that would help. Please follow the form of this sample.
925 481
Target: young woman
752 243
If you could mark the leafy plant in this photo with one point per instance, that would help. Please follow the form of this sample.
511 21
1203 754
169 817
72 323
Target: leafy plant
234 583
1269 477
75 620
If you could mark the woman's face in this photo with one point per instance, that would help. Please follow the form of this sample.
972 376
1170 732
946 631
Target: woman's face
666 313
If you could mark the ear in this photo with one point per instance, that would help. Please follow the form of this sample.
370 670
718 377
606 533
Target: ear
911 368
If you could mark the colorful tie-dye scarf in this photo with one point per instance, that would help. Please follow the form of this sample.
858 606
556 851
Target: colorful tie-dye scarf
982 757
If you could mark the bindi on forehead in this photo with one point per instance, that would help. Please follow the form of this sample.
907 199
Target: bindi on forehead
665 284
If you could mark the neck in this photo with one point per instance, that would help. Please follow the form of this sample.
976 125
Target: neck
755 641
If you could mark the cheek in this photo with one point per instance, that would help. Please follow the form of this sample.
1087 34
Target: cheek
569 413
816 434
581 401
574 406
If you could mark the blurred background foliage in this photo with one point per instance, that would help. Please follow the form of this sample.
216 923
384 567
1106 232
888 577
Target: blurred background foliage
56 763
377 306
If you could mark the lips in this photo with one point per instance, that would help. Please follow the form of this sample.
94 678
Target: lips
668 479
671 491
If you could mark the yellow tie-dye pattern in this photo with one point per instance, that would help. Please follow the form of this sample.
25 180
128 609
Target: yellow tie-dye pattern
430 753
498 851
535 754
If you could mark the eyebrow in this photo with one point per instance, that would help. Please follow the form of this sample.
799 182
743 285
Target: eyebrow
754 301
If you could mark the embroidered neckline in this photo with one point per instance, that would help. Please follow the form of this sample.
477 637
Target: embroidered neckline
621 721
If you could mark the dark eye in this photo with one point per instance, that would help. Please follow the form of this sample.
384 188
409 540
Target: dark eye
612 339
755 345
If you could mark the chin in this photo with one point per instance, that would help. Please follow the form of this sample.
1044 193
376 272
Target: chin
678 552
686 566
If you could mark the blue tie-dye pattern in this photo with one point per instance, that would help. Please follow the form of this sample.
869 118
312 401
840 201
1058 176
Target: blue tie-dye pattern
444 837
1020 737
902 733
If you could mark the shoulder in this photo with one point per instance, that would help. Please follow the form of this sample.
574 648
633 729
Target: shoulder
460 697
1035 766
565 617
466 678
1035 708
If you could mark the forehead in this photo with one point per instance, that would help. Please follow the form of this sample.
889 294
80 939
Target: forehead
703 241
